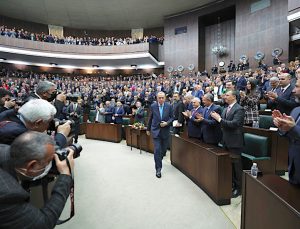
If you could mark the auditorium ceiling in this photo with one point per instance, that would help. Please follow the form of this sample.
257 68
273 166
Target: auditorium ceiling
98 14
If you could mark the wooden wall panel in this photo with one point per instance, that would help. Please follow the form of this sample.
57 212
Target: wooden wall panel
262 30
227 39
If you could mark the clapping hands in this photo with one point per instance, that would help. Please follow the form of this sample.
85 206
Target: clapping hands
282 121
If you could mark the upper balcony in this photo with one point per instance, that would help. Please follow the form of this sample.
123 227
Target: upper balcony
144 55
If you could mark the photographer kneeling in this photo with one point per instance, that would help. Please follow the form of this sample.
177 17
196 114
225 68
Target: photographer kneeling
30 157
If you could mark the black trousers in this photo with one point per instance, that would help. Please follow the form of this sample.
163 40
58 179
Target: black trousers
237 167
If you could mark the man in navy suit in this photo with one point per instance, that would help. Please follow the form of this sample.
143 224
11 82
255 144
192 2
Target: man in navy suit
139 113
210 130
290 127
119 113
109 111
283 99
241 82
160 120
194 127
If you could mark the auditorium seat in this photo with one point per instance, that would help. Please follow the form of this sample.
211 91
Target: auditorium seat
265 121
92 115
126 121
262 106
256 149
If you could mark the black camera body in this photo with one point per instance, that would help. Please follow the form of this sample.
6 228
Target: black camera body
72 98
63 153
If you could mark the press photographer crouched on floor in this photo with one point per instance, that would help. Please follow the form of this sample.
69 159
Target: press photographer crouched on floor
30 157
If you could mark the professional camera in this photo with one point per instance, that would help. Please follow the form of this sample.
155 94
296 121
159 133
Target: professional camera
72 98
57 122
63 153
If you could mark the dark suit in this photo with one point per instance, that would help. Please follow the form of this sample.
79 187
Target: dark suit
16 211
178 108
285 102
294 149
159 134
194 128
233 139
15 127
241 83
109 112
140 115
120 112
210 130
77 112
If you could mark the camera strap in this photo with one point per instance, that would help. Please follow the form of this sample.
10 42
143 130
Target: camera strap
72 212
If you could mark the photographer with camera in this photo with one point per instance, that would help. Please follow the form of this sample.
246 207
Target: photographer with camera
6 102
34 115
47 90
29 158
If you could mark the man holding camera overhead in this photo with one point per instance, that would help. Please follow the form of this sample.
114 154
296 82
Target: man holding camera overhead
30 157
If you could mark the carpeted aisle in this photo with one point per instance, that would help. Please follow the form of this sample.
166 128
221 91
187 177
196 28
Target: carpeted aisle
117 188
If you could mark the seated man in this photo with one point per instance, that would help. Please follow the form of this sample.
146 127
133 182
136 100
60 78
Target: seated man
30 156
34 115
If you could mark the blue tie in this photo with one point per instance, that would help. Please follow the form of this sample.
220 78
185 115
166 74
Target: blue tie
161 111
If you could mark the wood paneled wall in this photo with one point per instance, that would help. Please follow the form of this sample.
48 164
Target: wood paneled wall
263 30
227 39
188 48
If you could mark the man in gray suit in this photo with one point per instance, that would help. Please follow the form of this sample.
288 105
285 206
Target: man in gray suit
231 121
29 158
290 127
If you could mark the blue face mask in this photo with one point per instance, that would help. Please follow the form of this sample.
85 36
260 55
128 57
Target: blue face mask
44 173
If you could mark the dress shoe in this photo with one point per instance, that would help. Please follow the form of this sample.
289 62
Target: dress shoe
158 175
236 193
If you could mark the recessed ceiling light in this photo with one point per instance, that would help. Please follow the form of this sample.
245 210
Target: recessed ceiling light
53 64
2 59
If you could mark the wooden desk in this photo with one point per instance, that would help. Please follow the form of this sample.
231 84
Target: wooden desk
104 131
269 202
206 165
139 139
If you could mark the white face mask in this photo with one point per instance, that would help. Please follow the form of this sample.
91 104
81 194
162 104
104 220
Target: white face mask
46 171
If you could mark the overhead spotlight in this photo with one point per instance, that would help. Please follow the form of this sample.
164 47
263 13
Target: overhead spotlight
134 66
2 59
53 64
95 66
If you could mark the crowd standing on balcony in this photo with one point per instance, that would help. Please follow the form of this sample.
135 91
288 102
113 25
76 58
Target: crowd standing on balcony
72 40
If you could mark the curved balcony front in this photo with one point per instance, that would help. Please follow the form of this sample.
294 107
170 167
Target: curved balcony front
79 56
